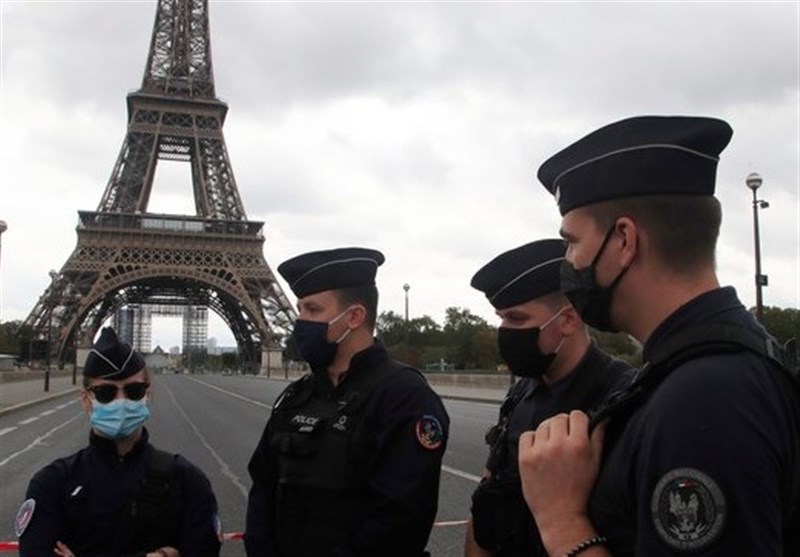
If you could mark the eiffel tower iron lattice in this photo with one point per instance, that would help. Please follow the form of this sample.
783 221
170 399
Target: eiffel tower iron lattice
126 256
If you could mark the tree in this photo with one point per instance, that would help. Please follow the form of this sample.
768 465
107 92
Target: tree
15 338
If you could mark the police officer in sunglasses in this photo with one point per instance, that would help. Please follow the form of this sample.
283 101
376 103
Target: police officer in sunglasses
120 495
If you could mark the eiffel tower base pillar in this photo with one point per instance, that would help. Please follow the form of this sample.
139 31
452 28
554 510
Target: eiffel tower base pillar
80 360
272 363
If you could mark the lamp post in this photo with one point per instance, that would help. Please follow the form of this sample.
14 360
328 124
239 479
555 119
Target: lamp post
754 181
51 302
406 288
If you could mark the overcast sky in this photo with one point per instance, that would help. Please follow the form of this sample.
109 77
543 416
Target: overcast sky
413 128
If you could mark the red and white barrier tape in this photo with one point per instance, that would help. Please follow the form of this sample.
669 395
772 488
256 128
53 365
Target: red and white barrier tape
14 546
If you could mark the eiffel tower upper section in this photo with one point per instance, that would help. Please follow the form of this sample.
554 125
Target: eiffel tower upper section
126 256
176 115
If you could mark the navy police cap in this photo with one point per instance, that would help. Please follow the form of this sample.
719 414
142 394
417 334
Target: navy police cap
334 269
644 155
110 358
521 274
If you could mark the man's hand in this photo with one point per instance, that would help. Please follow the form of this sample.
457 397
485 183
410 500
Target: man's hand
62 550
558 465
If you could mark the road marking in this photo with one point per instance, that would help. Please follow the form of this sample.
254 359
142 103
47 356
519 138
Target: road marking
231 393
60 406
224 468
7 429
28 421
449 523
39 439
461 474
48 412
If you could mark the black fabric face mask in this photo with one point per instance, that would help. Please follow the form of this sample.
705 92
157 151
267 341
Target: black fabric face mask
592 301
519 349
311 339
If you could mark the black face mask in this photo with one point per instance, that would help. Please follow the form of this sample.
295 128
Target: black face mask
310 337
592 301
519 349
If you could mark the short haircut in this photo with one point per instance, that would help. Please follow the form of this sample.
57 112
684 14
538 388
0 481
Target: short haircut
554 301
684 228
365 295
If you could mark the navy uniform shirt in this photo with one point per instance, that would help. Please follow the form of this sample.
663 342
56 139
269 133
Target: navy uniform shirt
502 521
81 501
394 488
707 463
595 377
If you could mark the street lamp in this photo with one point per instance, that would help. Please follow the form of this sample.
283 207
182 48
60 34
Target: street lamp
406 288
754 182
53 276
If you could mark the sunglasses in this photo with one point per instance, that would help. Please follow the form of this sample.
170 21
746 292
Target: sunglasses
107 392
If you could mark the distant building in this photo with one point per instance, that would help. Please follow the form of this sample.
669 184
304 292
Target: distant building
157 360
7 362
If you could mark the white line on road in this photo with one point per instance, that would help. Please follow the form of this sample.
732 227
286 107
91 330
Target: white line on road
28 421
231 393
7 429
48 412
461 474
224 468
60 406
39 439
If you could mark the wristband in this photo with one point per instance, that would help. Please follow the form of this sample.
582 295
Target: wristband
586 544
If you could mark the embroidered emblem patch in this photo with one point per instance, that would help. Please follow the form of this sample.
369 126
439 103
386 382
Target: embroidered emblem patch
689 509
24 516
430 433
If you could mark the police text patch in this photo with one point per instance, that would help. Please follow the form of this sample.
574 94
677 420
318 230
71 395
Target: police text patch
689 510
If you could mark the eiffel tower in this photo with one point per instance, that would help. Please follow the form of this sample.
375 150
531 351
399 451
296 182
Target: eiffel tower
127 257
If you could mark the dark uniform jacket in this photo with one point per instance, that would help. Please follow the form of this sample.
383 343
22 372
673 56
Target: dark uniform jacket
709 462
85 501
501 519
351 470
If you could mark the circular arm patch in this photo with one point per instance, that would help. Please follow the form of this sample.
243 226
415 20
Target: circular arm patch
430 433
689 510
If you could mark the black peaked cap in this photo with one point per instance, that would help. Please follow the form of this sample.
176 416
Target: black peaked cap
644 155
521 274
334 269
110 358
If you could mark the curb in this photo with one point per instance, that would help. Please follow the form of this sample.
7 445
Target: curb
22 405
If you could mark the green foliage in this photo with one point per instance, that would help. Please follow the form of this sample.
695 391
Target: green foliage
783 324
15 338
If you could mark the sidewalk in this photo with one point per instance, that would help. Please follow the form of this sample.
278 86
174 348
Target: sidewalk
23 393
26 392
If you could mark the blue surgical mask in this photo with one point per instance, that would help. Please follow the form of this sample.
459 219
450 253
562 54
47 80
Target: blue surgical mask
311 339
120 418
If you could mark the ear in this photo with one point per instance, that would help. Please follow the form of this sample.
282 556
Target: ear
571 321
629 232
357 316
86 401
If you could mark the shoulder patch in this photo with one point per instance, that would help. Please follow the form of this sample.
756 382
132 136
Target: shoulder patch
689 510
24 516
430 432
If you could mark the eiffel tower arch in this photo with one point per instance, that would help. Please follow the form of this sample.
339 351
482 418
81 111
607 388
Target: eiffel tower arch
126 256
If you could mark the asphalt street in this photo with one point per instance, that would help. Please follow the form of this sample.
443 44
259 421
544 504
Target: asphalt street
216 421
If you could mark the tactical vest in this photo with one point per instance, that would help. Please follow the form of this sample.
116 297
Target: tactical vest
322 454
147 521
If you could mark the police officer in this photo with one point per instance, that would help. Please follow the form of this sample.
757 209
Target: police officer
546 345
120 495
350 458
702 455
